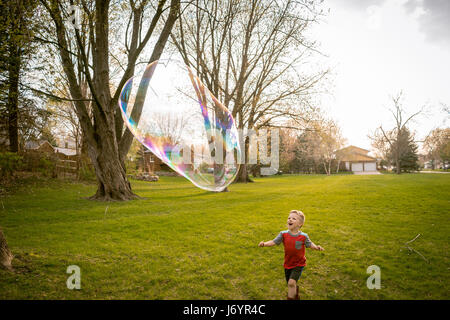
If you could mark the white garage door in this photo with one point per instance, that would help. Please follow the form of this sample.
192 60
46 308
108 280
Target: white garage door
357 166
370 166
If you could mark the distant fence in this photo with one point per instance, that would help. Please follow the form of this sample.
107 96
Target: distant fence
67 168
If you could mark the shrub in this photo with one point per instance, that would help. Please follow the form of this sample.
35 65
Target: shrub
9 163
47 166
86 170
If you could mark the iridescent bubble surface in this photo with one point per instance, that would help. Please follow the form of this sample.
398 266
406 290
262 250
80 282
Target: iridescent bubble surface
172 113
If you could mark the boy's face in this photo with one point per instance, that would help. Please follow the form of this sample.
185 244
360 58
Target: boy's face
294 221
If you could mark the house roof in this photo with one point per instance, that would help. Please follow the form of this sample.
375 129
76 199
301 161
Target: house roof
66 151
31 145
354 149
354 157
35 145
354 154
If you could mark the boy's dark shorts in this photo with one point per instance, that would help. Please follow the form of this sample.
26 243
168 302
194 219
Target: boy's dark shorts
293 273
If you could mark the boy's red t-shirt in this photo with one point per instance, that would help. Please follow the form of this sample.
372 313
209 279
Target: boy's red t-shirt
294 248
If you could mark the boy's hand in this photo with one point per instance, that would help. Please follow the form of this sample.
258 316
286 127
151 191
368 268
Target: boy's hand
261 244
320 248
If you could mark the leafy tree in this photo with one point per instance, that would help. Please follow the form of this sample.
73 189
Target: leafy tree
248 54
445 153
288 138
305 159
88 56
47 134
395 143
17 26
313 150
437 146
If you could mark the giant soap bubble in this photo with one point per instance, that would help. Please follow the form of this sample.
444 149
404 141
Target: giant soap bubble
172 113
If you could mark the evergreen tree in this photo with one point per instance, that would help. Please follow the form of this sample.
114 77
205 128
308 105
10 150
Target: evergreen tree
17 25
407 149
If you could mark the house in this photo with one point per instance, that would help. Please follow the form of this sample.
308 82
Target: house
40 146
357 159
66 151
63 161
66 145
152 163
43 146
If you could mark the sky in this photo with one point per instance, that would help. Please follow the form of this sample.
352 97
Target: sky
377 48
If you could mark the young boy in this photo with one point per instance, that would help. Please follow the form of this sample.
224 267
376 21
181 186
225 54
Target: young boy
294 242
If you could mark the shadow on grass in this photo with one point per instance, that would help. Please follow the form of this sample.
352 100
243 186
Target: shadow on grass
190 195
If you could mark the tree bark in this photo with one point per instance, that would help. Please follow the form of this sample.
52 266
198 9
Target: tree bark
243 176
325 167
112 181
5 254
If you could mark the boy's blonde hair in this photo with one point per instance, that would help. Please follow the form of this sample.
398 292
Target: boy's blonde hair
300 214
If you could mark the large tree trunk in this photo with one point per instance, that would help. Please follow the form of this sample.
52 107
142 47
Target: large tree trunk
242 176
109 166
397 160
5 255
111 179
325 167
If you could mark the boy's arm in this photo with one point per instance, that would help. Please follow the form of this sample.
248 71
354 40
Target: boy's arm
311 245
267 244
316 247
273 242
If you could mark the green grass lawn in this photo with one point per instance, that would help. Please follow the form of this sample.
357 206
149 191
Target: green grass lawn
181 242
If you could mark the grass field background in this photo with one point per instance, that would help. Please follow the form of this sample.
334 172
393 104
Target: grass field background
180 242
